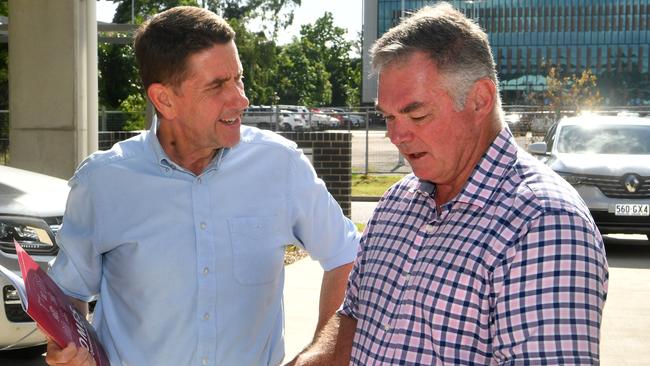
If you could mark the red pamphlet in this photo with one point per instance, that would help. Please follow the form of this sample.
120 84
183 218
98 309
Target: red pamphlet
50 308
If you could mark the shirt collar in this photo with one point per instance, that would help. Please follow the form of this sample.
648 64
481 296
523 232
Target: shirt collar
162 159
489 171
485 177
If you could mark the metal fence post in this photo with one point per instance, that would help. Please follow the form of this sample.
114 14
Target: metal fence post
367 138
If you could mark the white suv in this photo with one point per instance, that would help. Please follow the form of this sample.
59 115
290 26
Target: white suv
31 210
607 160
273 118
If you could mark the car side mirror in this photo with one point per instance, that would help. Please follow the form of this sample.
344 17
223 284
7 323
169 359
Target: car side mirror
538 148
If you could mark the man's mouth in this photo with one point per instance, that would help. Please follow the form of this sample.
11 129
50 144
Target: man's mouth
229 122
415 155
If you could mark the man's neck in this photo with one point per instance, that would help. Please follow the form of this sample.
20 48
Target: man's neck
179 149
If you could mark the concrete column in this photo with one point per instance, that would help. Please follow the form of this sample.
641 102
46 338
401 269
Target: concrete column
369 82
52 84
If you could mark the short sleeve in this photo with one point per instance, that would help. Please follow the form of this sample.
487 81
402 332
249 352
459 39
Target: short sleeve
549 293
318 221
77 268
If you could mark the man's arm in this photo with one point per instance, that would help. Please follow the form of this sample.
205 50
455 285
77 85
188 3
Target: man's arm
70 355
332 345
332 291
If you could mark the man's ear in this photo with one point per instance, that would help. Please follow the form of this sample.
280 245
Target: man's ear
161 97
482 98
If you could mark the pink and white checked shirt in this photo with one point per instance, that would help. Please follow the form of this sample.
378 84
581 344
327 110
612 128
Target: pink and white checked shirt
511 271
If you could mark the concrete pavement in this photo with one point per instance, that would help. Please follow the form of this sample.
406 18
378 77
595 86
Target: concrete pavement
626 318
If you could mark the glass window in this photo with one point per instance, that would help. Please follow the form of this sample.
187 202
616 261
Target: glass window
605 139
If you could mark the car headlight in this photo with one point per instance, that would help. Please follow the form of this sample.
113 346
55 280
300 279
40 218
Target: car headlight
573 179
33 234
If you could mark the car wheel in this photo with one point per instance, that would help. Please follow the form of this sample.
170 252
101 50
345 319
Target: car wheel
286 127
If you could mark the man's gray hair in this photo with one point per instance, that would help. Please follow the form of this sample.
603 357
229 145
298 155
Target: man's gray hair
454 43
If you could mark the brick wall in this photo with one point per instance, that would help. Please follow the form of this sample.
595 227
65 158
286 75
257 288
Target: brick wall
332 158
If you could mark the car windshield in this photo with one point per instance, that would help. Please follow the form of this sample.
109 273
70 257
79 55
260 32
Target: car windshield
604 139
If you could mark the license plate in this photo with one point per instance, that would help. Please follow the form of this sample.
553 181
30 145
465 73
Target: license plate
632 209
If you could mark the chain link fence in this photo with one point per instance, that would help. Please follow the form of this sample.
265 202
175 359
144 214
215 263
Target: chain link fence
372 151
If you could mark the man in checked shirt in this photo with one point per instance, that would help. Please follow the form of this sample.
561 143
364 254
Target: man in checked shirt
483 256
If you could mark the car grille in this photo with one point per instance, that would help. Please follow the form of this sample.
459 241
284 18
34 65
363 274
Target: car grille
607 222
614 187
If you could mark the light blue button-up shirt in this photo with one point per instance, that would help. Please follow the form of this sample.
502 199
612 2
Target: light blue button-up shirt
188 270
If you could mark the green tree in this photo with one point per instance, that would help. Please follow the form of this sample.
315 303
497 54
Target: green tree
259 60
302 79
575 92
327 44
118 74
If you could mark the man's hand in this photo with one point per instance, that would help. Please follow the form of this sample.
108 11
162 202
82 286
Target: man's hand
71 355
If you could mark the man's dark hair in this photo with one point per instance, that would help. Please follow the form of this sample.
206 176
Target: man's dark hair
164 43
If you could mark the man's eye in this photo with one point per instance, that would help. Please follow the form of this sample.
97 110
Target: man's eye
419 118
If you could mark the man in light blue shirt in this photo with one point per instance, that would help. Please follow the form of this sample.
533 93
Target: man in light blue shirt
179 233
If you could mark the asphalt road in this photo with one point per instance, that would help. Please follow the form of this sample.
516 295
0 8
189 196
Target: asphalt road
626 318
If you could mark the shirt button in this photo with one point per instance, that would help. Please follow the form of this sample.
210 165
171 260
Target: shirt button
206 270
430 229
386 327
198 180
206 316
204 360
203 226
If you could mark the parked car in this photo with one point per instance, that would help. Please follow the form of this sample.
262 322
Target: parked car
260 116
607 160
301 113
272 118
31 211
357 120
292 121
324 121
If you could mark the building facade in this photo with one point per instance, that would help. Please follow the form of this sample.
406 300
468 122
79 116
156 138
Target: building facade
528 37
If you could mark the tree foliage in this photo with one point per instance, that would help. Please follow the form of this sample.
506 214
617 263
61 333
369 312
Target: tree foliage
575 92
259 57
315 69
302 79
328 45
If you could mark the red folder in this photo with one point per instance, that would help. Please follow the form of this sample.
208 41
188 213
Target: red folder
44 301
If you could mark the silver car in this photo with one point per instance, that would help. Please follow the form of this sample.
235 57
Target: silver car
607 160
31 210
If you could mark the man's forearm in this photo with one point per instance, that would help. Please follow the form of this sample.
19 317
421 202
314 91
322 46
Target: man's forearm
331 346
331 293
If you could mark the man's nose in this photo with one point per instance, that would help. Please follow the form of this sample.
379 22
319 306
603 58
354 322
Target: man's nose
239 99
398 132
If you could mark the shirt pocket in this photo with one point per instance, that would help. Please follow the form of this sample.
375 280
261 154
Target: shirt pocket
258 252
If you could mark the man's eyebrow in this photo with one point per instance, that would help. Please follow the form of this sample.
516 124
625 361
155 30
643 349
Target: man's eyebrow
407 109
411 107
220 81
217 82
